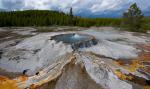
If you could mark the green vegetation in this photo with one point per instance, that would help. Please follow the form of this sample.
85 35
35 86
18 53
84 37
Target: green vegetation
49 18
33 18
146 23
133 19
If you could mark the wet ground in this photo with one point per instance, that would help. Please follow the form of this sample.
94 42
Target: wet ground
120 59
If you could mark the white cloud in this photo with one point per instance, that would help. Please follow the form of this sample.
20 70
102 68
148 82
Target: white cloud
0 4
94 6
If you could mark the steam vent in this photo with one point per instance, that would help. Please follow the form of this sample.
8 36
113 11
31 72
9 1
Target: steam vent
76 40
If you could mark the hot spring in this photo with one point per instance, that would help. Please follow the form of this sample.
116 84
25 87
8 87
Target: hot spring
76 40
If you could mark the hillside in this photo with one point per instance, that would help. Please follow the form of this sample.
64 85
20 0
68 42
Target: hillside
52 18
47 18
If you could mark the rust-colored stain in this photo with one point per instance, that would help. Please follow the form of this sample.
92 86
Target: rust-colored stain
123 76
6 83
23 78
137 63
134 65
33 86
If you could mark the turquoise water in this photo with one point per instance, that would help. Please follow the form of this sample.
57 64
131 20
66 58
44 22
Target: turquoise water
71 38
76 40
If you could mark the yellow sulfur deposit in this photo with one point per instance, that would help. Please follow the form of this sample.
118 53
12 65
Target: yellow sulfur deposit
6 83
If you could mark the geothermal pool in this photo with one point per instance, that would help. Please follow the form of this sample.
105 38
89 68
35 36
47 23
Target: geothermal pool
76 40
52 61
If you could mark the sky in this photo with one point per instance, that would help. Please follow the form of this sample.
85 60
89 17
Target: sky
85 8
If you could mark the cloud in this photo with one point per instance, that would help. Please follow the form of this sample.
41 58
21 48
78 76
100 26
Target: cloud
79 6
11 4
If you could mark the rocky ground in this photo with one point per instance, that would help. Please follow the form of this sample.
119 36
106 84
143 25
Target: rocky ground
30 59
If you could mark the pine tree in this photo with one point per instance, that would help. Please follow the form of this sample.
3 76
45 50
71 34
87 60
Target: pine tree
133 18
71 12
71 17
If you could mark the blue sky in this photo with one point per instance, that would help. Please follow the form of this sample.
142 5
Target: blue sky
88 8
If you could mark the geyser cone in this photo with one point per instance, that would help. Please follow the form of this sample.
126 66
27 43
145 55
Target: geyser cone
76 40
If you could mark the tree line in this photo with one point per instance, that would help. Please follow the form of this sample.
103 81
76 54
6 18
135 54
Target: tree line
132 20
48 18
